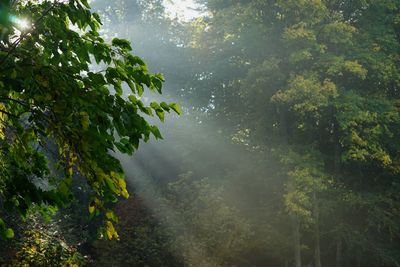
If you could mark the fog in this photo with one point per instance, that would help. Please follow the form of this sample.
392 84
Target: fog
286 151
274 140
258 170
198 156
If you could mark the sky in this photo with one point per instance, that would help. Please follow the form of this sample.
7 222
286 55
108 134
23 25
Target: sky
183 9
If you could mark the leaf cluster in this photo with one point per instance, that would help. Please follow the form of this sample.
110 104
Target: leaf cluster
62 87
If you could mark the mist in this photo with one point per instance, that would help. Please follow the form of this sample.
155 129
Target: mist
222 173
246 175
285 152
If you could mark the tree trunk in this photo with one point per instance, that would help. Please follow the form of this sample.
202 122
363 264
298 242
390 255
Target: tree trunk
296 241
317 248
337 173
339 253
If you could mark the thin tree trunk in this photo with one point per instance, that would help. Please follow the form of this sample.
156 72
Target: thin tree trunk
337 173
317 251
339 253
296 241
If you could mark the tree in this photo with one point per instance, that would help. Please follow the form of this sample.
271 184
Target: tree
63 87
315 78
205 230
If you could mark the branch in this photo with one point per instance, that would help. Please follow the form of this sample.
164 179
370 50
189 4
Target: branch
14 100
8 113
18 41
31 109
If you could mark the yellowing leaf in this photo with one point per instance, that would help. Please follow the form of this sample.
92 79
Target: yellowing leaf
13 74
110 231
92 208
84 120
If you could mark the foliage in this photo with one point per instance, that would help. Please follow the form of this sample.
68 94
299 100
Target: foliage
303 97
39 243
205 229
315 83
62 83
309 92
144 241
40 249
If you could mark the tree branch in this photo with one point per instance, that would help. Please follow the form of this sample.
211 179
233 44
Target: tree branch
9 114
18 41
14 100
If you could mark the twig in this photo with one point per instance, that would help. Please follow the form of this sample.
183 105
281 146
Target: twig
8 113
14 100
18 41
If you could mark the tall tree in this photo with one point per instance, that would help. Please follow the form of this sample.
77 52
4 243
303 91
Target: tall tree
316 78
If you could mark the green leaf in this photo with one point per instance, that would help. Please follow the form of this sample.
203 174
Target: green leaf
133 99
122 43
135 60
97 18
92 207
156 83
160 114
9 233
176 108
13 74
110 184
85 3
165 106
156 132
131 85
97 78
118 88
139 89
120 147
